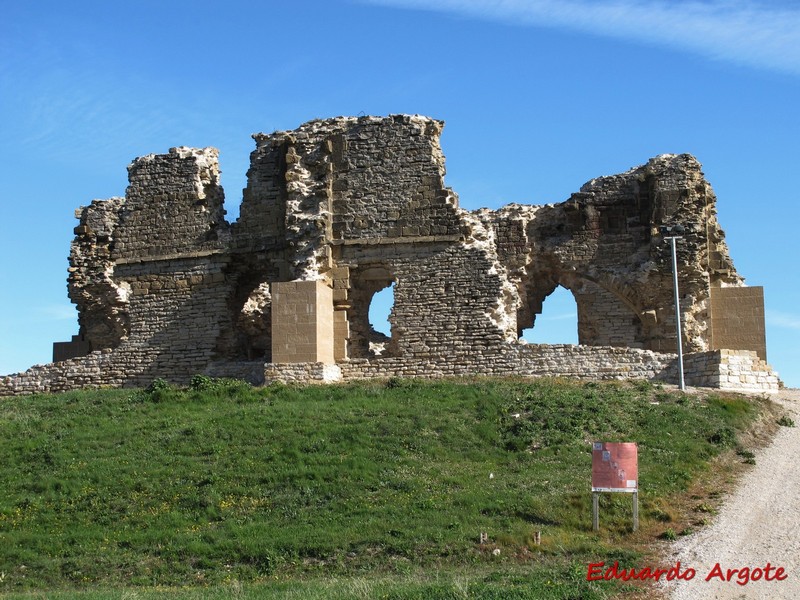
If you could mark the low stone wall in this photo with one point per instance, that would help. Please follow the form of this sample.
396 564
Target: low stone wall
91 371
594 362
301 373
133 365
250 371
730 370
529 360
733 370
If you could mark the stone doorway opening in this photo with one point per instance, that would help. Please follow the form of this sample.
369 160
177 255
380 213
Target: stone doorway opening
380 308
370 312
557 323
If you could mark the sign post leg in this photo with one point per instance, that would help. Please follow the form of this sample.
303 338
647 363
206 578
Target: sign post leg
596 511
635 510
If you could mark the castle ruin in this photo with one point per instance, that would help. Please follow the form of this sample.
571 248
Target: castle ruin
340 209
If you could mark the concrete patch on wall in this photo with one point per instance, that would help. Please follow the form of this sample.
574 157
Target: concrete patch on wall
738 319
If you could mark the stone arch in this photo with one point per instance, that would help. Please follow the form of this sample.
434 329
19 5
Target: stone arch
249 313
254 321
556 321
365 341
607 315
380 308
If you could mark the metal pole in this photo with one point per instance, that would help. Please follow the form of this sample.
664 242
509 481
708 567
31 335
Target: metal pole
672 241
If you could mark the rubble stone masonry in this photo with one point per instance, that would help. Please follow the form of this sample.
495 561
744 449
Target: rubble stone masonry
340 209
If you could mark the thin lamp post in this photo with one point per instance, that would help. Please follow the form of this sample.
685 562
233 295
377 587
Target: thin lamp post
676 229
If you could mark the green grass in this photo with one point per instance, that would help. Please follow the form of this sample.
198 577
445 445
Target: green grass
366 490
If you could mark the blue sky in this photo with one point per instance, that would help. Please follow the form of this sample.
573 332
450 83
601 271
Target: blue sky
538 97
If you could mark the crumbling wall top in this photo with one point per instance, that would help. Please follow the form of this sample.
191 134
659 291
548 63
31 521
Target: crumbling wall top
359 204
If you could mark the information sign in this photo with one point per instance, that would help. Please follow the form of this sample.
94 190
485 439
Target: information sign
615 467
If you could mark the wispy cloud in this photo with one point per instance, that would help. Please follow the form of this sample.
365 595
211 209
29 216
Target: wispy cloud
89 114
58 312
560 317
748 32
783 320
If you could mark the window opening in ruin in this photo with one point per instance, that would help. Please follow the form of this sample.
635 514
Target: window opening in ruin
380 307
558 321
233 179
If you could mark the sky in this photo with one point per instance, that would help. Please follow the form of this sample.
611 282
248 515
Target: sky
538 97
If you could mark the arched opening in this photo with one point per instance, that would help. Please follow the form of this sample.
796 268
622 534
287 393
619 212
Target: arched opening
605 317
380 307
557 323
371 303
254 323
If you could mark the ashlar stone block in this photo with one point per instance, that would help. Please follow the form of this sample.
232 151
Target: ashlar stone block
302 322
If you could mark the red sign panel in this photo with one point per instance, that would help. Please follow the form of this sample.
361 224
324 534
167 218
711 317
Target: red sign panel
615 467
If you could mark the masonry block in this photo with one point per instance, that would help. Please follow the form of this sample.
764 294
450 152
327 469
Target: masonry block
302 322
737 319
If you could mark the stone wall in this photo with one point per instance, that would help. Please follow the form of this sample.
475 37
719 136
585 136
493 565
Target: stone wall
388 179
528 360
604 245
101 301
173 202
738 371
445 298
316 372
728 370
166 287
735 370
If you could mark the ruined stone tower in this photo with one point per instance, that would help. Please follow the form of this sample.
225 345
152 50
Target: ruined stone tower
337 210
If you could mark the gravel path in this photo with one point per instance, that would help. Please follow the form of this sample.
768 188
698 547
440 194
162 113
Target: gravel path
758 524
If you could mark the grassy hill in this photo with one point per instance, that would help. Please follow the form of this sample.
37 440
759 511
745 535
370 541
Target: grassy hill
370 490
